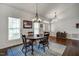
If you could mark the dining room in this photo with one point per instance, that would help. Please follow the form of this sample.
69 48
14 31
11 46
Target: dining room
39 29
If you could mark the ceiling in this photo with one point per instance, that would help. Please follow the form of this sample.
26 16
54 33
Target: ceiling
45 10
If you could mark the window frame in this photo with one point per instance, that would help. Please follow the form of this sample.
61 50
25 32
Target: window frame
14 28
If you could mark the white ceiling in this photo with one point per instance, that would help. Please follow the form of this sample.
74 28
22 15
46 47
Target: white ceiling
31 7
47 10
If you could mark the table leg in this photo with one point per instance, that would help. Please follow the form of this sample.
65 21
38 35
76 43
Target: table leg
32 48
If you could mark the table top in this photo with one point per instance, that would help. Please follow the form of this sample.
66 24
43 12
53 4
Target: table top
34 37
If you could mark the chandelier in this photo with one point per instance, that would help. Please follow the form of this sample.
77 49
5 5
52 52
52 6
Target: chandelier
37 19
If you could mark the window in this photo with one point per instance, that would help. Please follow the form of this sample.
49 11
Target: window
36 28
13 28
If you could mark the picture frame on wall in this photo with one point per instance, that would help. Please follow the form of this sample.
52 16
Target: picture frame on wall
77 25
27 24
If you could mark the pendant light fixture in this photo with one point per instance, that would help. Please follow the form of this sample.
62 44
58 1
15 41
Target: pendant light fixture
36 19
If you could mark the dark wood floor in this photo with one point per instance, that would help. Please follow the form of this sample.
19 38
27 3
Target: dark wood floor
72 46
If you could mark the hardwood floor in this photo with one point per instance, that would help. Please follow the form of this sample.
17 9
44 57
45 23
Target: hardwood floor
72 46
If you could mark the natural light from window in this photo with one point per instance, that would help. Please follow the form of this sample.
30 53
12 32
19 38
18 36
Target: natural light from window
13 28
36 28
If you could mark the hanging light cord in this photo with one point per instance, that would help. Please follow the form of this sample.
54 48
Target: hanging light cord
36 11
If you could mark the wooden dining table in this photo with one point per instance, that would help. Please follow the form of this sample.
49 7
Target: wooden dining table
33 39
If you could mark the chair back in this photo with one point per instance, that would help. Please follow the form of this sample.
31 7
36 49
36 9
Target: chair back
24 39
46 37
30 33
46 34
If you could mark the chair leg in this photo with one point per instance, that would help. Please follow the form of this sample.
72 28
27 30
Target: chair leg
23 48
48 46
44 48
25 53
38 46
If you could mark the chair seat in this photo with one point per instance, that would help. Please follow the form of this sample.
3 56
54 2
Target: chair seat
28 43
43 42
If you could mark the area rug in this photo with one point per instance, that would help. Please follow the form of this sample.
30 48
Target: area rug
55 49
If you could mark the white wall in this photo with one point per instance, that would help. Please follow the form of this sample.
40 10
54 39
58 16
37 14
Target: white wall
5 12
67 18
46 27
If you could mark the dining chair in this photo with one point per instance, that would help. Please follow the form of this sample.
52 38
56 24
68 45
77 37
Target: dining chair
26 44
44 42
30 33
